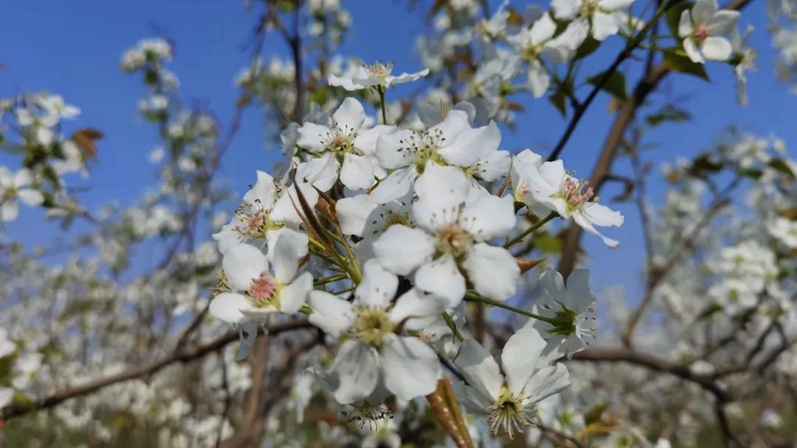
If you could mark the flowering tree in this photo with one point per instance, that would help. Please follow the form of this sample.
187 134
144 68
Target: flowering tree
400 278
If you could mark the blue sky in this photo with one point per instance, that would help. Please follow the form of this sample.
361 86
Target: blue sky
73 49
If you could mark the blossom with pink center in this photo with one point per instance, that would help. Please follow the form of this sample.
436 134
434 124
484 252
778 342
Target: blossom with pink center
701 28
452 239
552 188
263 287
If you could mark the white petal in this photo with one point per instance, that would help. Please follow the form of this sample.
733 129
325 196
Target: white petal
288 207
442 278
378 286
290 247
492 270
691 50
396 185
716 49
391 148
586 225
402 249
262 192
6 177
357 371
579 296
468 147
294 295
537 79
722 23
520 355
350 116
489 217
417 309
366 140
6 396
494 166
313 137
685 24
603 26
455 123
603 216
9 211
346 83
357 172
479 369
615 5
354 214
553 285
30 197
331 314
702 10
542 30
23 178
546 382
408 77
242 264
565 9
410 367
229 306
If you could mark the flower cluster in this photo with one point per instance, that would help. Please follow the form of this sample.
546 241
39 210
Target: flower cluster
381 233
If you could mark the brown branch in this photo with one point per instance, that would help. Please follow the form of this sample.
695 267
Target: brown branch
17 409
656 364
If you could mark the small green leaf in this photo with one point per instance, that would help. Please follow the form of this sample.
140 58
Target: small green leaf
676 60
588 47
709 311
547 243
614 85
782 166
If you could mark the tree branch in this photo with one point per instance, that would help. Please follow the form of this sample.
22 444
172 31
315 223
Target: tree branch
17 410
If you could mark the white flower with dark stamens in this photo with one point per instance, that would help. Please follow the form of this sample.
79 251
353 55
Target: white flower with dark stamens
263 287
507 400
373 348
700 28
376 75
451 242
452 142
572 198
570 310
264 213
13 186
352 147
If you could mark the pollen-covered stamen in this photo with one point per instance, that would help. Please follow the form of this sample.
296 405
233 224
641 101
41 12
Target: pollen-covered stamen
701 33
572 191
508 414
379 70
454 240
255 220
263 288
589 7
422 147
340 140
372 325
367 414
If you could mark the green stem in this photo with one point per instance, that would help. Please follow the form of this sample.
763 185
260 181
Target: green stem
382 101
331 279
531 229
452 326
473 297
